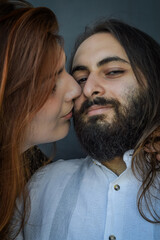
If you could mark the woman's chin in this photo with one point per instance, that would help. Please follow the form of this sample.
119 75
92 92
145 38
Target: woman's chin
63 132
48 136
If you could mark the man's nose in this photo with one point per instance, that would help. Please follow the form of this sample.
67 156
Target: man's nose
93 86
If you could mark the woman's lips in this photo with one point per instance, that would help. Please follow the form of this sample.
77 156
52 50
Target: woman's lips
98 109
68 115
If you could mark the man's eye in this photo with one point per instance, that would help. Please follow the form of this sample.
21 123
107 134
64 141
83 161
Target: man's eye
81 81
115 72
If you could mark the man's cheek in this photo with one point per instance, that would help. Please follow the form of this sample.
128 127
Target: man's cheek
78 103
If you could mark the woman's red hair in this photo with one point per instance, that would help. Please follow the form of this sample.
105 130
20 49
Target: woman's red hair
27 36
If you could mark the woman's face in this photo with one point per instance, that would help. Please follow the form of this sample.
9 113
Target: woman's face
52 121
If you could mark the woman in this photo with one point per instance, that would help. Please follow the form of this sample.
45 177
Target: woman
36 95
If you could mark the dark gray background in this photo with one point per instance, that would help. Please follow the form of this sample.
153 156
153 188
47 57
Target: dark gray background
74 15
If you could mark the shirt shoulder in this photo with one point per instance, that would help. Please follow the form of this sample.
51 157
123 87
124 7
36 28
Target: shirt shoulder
57 172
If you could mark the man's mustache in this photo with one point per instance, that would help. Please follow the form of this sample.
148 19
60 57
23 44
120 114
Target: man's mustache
97 101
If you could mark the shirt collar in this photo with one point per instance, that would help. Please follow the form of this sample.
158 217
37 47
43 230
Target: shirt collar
127 157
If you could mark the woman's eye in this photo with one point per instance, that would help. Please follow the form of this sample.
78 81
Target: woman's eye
54 88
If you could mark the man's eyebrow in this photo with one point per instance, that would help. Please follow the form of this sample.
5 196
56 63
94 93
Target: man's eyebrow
111 59
79 68
100 63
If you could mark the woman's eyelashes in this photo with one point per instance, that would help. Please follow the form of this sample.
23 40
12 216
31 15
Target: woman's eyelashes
58 76
54 88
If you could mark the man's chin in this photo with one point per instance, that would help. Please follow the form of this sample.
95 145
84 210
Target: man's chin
101 119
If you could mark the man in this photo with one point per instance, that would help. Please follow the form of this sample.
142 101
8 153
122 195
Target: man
114 193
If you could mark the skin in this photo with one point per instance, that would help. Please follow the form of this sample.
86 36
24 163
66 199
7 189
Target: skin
102 69
52 122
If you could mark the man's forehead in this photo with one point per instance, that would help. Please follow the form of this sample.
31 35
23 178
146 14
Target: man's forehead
87 44
97 47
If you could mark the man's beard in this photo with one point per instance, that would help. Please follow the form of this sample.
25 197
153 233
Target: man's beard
103 140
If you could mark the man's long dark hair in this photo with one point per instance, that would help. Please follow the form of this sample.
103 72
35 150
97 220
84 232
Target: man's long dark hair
144 55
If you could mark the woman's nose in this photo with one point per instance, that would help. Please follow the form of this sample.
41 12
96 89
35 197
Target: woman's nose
74 90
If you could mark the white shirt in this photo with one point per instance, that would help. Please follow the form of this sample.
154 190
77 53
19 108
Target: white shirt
83 200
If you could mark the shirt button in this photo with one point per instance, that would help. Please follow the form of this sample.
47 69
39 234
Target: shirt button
112 237
116 187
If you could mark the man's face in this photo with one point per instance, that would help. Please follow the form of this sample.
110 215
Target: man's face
111 103
102 69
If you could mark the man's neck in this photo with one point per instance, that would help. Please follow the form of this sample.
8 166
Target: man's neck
117 165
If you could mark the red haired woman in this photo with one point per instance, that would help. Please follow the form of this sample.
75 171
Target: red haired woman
36 94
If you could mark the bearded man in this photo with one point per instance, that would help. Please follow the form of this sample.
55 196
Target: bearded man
114 192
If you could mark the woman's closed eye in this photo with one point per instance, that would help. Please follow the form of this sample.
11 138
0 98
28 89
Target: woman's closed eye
54 88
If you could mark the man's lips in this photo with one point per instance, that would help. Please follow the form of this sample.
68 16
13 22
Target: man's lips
98 109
